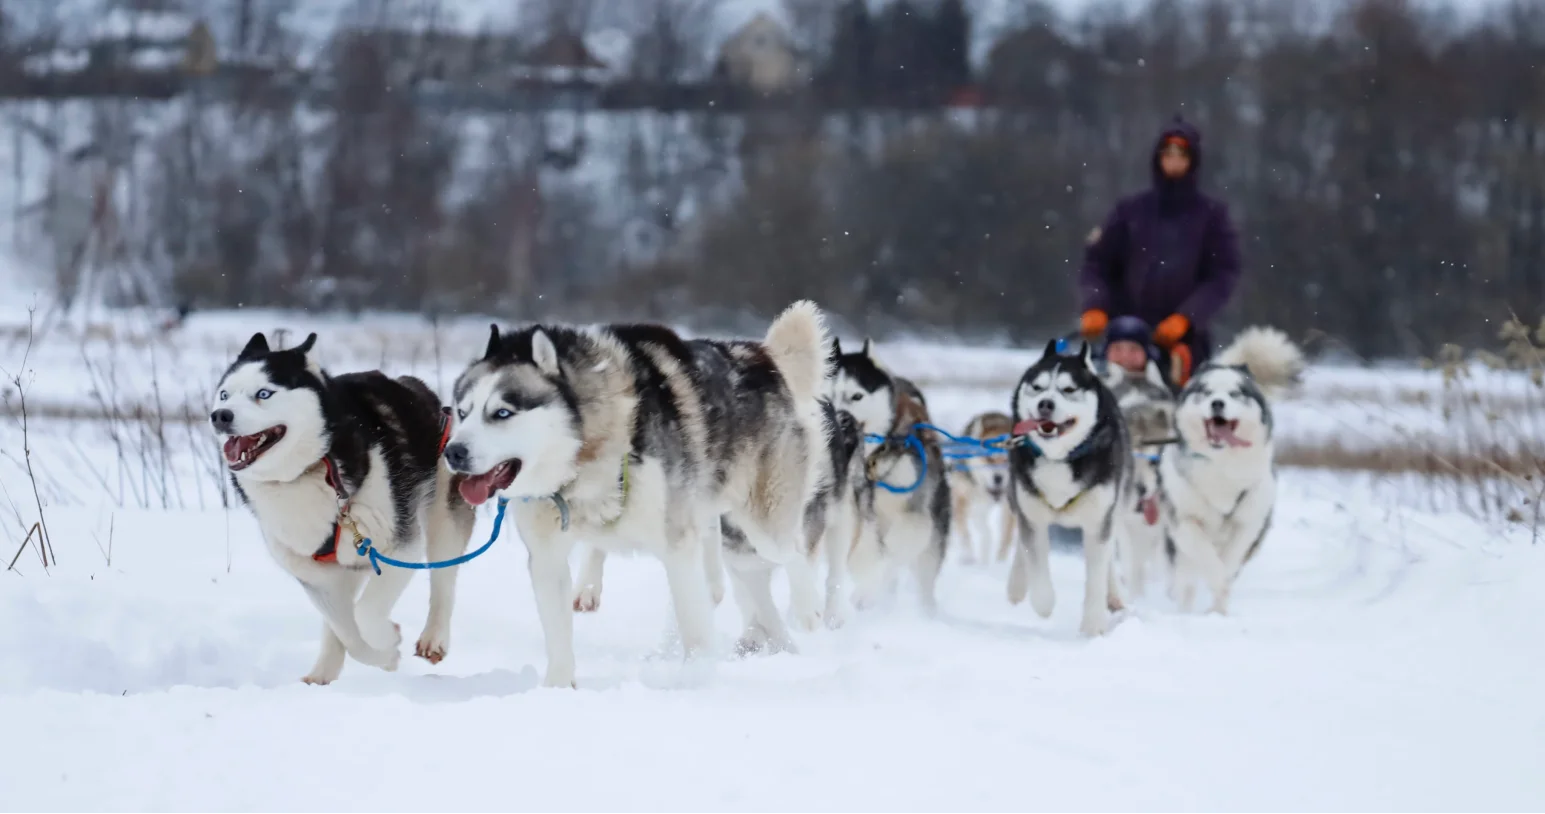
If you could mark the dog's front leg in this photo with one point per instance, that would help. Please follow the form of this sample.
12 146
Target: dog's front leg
1199 556
334 597
867 565
713 559
1031 571
1006 542
374 609
1097 576
553 587
588 598
448 531
751 576
683 557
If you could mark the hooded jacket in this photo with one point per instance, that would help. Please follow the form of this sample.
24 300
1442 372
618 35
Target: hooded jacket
1167 250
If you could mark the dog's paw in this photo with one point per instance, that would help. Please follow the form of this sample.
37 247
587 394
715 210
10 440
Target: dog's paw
834 617
806 620
1113 603
1095 624
317 680
587 599
716 590
432 646
560 680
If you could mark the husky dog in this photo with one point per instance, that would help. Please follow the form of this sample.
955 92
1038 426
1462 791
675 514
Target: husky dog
907 524
979 484
630 437
314 456
1073 469
1217 483
1148 406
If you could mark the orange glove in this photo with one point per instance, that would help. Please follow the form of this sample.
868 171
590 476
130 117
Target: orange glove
1180 365
1093 323
1171 330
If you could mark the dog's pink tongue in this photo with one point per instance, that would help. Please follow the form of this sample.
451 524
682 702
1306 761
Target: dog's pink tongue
1024 427
477 489
1225 433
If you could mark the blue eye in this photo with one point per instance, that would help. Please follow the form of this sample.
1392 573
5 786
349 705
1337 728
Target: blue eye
264 393
224 395
502 414
461 415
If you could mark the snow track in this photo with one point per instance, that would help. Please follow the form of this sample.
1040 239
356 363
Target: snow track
1375 658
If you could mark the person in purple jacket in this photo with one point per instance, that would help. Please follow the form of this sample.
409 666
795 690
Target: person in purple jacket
1168 256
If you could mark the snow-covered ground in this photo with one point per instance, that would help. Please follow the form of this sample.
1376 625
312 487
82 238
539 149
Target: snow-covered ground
1376 658
1382 652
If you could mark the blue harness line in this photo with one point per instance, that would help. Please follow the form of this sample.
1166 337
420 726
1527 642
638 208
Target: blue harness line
916 446
365 549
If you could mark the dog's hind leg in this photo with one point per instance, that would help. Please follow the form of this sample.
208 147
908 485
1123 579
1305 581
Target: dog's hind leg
841 528
713 561
447 529
588 598
867 565
764 628
804 599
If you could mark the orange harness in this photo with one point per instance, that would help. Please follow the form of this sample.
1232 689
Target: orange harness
328 553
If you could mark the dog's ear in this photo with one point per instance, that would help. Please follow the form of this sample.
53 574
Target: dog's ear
1051 349
836 349
493 341
305 347
543 353
256 346
1084 353
869 349
1245 369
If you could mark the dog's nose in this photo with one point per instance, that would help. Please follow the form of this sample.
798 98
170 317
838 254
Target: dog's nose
457 457
1046 406
1217 405
222 419
997 479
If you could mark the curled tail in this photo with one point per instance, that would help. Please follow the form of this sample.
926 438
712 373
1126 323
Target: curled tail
797 343
1271 357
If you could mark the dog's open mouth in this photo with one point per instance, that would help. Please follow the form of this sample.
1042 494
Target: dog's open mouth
1221 433
242 450
1045 428
478 489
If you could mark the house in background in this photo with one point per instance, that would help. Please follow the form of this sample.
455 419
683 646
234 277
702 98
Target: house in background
761 54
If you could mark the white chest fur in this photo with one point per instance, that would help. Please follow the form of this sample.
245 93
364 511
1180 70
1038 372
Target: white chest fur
1055 481
297 516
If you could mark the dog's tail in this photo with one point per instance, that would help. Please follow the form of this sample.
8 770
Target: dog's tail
797 343
1271 357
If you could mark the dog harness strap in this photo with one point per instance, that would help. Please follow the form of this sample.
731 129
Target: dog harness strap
328 553
445 430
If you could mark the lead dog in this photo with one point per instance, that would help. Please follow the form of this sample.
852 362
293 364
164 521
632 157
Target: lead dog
630 437
1073 469
300 445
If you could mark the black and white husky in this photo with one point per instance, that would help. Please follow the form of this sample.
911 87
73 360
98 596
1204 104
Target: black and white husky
1218 484
1148 405
629 437
319 458
908 524
1073 469
979 484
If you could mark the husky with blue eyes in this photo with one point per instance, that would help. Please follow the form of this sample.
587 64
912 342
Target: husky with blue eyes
631 438
1217 483
1071 467
319 458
